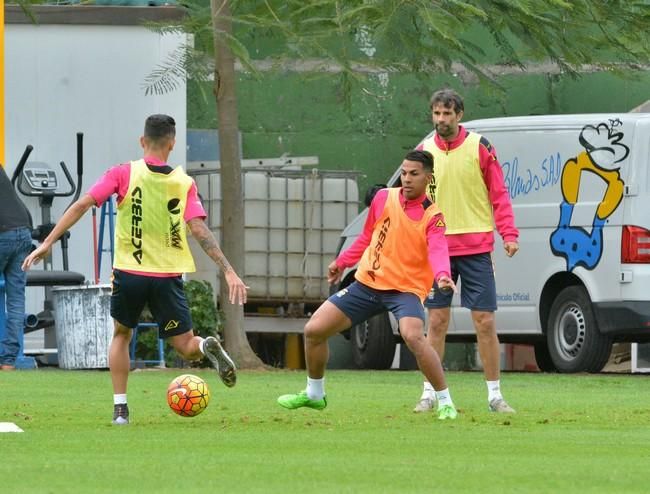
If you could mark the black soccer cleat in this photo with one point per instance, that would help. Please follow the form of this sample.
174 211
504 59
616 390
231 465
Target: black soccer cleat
121 414
220 360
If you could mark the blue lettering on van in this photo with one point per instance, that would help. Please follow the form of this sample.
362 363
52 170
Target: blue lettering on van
513 297
527 181
603 151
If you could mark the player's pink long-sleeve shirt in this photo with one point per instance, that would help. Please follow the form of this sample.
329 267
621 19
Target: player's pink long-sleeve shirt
436 243
116 181
462 244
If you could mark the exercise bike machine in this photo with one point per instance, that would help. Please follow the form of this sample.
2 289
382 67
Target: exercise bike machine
37 179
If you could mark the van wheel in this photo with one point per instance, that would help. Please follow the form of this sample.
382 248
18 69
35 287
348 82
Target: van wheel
543 357
373 343
574 340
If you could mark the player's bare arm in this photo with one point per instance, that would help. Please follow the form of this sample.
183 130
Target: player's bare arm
67 221
209 244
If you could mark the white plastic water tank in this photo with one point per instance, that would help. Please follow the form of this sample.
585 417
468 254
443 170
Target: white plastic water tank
293 220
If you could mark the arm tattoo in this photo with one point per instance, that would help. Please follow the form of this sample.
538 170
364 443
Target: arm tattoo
208 243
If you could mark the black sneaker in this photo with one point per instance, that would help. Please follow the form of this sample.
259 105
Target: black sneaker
121 414
220 361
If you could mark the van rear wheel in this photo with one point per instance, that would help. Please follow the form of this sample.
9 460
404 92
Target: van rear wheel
574 340
373 343
543 357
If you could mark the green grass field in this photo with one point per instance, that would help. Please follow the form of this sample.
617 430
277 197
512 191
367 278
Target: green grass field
580 433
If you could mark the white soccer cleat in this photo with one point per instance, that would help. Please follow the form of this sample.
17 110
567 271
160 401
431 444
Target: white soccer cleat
426 405
499 405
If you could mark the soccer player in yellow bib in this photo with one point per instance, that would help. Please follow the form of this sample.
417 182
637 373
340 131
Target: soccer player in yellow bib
471 193
155 202
401 251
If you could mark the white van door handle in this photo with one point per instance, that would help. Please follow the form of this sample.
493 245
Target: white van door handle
626 277
631 190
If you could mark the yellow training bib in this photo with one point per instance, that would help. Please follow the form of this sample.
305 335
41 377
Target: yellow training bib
461 193
150 227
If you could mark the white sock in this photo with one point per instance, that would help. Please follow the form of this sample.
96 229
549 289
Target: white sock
428 391
119 399
202 345
494 390
315 388
444 397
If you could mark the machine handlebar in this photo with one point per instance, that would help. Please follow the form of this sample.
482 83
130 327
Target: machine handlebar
21 164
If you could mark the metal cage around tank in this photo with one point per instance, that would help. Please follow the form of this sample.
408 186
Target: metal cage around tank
293 221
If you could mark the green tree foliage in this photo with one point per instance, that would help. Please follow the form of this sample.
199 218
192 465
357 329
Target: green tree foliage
360 36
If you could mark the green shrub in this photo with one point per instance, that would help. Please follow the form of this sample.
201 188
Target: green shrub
208 321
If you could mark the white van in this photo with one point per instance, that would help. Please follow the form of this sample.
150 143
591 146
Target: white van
580 188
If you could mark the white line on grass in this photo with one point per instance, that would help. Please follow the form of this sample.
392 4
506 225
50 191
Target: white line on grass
9 427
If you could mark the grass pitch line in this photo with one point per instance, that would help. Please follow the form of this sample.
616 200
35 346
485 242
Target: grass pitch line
9 427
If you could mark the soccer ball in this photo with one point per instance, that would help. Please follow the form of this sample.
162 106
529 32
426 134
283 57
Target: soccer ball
188 395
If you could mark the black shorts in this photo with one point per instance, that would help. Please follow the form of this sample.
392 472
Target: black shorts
164 296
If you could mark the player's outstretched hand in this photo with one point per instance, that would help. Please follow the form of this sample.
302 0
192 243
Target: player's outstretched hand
237 290
41 252
446 284
333 273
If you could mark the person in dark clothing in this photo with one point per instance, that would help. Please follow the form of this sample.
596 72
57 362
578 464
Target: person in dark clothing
15 245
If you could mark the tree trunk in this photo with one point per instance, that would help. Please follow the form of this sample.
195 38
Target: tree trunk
232 203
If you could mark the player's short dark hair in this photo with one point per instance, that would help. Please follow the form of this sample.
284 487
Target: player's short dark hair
159 127
449 99
424 157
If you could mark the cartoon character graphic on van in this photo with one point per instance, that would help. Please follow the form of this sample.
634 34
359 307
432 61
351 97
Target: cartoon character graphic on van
602 155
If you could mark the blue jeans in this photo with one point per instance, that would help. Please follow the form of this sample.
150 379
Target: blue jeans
15 245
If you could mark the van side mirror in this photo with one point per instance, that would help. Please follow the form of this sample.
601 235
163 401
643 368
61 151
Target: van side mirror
370 193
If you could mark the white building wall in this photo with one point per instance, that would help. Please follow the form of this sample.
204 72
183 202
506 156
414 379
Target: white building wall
61 79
